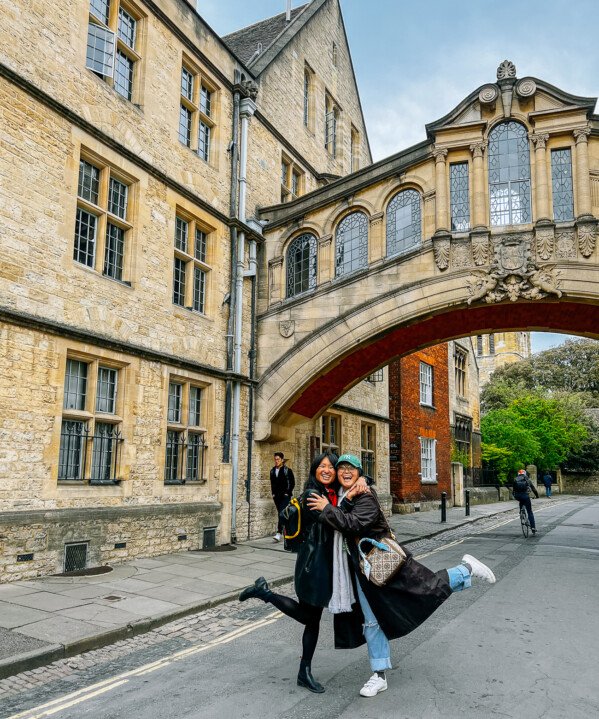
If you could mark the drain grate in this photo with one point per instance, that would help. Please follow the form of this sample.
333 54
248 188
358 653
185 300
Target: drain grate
75 556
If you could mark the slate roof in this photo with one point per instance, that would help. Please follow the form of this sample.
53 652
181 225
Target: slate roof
244 42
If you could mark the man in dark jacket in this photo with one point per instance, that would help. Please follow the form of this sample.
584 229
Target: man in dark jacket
547 481
520 487
282 483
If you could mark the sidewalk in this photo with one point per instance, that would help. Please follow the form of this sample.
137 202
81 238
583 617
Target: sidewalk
45 619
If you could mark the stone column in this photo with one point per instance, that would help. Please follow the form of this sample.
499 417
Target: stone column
479 218
275 280
542 191
376 245
325 262
583 181
441 223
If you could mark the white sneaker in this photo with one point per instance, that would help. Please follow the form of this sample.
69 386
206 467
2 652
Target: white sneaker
479 569
373 686
278 536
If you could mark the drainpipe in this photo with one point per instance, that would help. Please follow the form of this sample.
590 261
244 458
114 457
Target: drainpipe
246 110
252 272
232 299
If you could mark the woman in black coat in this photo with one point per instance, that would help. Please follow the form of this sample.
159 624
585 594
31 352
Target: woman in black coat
404 602
313 568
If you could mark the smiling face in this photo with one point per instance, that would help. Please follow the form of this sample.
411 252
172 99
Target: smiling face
325 472
347 475
278 461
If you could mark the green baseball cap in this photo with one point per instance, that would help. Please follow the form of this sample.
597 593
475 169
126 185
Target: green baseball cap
349 459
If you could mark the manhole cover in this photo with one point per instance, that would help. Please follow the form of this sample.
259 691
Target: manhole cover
90 572
221 548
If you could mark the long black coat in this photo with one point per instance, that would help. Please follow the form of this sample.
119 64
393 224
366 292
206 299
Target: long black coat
403 604
314 563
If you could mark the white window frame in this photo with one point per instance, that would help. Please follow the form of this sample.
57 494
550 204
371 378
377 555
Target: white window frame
428 460
426 384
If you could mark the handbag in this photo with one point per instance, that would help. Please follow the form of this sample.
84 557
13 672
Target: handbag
384 560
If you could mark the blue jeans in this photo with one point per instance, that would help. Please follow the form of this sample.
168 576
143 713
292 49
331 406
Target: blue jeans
548 491
379 651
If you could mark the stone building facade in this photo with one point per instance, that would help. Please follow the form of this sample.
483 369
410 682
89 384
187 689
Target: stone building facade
125 299
500 348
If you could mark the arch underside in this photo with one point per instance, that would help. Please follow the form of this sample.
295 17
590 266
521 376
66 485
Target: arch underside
553 316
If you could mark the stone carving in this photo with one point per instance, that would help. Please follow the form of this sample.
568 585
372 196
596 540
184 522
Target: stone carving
478 148
488 94
526 87
251 88
441 249
564 245
286 327
513 275
440 154
539 139
586 239
506 70
480 249
582 135
544 242
461 254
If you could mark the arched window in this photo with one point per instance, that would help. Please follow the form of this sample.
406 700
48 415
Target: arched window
301 265
351 244
403 222
509 174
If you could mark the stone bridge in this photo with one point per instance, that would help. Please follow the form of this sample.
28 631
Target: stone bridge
489 225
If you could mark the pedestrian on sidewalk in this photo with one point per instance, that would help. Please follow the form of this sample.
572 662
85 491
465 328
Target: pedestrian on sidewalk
407 600
282 483
521 485
547 481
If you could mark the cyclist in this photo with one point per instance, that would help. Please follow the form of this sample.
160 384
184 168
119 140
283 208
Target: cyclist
520 487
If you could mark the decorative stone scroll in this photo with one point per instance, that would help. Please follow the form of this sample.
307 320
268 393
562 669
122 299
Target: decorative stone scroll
513 275
544 240
526 87
480 249
441 247
587 233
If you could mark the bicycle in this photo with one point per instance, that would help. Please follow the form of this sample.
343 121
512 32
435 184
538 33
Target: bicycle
524 521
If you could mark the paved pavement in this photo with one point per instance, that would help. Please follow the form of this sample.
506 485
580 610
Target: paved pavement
45 619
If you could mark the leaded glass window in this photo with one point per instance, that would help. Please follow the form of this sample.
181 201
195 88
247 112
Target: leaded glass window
127 28
195 407
117 198
104 450
200 246
195 457
460 199
85 237
100 9
185 119
179 282
100 50
199 290
123 75
205 101
114 252
204 133
106 390
88 187
187 84
71 456
561 184
404 224
175 442
181 234
351 244
509 174
175 399
75 385
301 265
306 97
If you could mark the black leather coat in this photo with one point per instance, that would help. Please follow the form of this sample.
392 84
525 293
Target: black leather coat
314 564
405 602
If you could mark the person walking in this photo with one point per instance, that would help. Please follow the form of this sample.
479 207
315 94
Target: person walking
282 483
410 597
547 481
520 488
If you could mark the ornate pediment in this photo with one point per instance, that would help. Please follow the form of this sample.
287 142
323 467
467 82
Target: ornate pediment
510 93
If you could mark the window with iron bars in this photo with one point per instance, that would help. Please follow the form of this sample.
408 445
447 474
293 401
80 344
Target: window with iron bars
331 433
90 437
368 448
185 454
197 111
462 433
113 33
190 266
375 377
102 220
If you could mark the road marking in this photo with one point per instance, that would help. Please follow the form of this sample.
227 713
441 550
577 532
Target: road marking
83 695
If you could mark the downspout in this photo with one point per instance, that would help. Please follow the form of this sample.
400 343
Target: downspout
246 110
253 274
232 298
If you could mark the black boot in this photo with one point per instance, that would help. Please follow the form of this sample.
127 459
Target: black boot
258 590
305 679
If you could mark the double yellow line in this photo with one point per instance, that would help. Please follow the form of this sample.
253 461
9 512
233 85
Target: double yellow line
83 695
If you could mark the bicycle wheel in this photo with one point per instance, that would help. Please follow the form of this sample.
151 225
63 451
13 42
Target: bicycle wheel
524 522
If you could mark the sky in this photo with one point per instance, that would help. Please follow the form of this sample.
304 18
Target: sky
415 61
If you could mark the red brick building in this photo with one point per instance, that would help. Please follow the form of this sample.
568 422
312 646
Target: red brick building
419 432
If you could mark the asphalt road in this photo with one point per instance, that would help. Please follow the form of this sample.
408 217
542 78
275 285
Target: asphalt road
525 647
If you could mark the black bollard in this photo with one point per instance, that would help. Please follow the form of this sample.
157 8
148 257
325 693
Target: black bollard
444 506
467 502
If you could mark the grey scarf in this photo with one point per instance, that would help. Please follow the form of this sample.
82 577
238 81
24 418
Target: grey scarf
343 591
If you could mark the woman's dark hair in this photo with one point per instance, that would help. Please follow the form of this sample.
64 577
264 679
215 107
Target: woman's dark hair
312 481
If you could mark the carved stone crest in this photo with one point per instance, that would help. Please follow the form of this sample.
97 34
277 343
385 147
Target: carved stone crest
513 275
286 327
586 239
461 255
564 245
505 70
441 249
